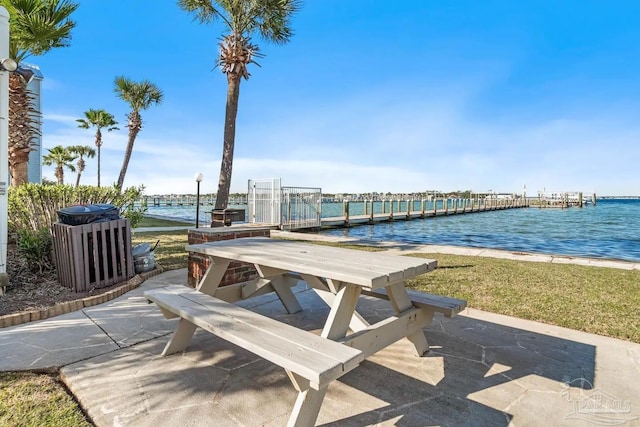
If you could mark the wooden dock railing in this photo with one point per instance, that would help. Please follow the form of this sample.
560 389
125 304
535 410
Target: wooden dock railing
370 212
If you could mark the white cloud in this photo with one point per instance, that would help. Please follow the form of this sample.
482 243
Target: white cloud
379 141
60 118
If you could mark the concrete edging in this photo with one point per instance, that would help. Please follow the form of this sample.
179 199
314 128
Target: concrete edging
65 307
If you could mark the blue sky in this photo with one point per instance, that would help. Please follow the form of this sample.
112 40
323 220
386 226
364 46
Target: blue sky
367 96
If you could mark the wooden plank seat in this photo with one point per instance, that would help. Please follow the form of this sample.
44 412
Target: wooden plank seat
436 303
311 361
319 360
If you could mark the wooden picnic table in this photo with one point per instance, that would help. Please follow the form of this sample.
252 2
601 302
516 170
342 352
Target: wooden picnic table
338 275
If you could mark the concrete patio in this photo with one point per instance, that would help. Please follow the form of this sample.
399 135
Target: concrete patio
483 370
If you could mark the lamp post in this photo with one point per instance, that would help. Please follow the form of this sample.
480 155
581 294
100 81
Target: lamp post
198 177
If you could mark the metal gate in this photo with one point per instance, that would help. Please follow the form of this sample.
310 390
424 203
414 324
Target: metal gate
290 208
263 201
301 208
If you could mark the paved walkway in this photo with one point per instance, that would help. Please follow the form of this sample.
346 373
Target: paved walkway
483 370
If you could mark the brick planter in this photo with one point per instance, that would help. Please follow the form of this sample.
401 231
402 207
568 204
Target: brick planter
237 271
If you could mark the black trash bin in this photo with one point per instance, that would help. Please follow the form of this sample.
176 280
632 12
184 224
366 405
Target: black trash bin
88 214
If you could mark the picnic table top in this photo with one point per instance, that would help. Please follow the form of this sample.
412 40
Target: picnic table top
372 270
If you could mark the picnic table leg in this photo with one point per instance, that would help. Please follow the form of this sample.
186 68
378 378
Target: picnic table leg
284 292
341 312
180 338
401 302
357 322
184 331
281 285
307 407
213 276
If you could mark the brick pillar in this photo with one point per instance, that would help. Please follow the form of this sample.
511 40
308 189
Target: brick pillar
238 271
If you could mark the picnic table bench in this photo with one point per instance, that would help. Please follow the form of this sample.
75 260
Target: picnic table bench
339 276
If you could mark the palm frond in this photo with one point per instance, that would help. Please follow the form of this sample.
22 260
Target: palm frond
82 151
204 11
99 119
139 95
37 26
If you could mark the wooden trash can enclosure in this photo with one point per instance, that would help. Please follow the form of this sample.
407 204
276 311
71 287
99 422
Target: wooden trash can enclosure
93 255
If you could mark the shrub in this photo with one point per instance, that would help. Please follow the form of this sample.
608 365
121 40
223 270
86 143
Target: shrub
133 214
35 206
36 248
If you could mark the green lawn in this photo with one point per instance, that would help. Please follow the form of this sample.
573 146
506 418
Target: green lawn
35 400
154 222
598 300
169 253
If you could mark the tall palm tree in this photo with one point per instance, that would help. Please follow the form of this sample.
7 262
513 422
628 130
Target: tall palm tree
81 151
99 119
36 26
270 19
62 158
140 96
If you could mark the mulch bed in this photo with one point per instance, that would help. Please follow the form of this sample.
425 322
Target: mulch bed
35 290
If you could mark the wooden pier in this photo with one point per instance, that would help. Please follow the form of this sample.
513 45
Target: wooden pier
307 213
392 210
562 200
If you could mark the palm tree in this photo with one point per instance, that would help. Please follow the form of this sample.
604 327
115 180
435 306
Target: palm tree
81 151
99 119
36 26
62 158
242 18
140 96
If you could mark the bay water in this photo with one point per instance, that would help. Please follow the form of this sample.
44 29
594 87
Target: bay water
608 230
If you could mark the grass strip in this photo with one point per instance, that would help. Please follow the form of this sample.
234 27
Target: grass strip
34 400
169 253
598 300
158 222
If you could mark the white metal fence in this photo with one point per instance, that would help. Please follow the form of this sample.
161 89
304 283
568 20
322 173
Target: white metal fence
288 207
301 208
263 201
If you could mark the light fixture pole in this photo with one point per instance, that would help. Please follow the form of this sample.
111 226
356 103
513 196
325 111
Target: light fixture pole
198 179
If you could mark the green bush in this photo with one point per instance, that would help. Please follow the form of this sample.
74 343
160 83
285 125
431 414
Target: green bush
133 214
36 248
35 206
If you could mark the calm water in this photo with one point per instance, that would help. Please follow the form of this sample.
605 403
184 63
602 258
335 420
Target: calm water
611 229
